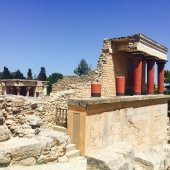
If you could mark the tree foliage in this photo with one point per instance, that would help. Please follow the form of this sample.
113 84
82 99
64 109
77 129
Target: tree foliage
6 73
53 78
29 74
17 75
0 75
167 77
42 75
83 68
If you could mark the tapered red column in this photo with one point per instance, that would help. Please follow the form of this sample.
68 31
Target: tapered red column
137 84
12 90
28 91
161 65
143 76
18 90
150 76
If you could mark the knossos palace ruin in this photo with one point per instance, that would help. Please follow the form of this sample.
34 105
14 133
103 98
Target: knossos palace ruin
23 87
110 119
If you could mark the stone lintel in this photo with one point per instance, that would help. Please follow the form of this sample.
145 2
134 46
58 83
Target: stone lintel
85 102
140 43
22 82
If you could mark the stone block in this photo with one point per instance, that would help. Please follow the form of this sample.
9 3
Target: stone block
4 133
5 158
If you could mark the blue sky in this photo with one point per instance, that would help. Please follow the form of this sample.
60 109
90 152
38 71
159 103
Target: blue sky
56 34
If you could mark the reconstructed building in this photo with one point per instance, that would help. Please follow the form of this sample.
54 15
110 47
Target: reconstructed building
23 87
137 119
124 56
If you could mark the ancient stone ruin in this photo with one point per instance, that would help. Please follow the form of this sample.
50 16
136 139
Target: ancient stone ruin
27 135
113 132
23 87
123 56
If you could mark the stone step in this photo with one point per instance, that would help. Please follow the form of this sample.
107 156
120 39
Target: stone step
59 129
78 158
70 147
73 154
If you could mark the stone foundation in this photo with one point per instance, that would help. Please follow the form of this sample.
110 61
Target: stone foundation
95 123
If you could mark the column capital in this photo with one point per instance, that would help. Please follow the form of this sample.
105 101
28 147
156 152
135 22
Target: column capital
138 54
161 61
150 58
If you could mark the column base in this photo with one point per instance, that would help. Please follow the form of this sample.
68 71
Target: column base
95 94
150 93
120 94
160 92
136 93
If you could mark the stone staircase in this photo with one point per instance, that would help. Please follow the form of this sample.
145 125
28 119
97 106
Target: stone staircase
72 160
59 129
71 152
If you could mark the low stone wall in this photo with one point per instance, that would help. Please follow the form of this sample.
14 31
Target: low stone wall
95 123
16 108
23 139
80 85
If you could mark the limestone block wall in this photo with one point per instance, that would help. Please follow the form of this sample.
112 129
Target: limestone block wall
110 65
80 85
17 108
138 121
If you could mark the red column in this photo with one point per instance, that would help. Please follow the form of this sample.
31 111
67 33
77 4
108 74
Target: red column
95 90
150 76
161 65
143 76
120 86
28 91
12 90
137 83
18 90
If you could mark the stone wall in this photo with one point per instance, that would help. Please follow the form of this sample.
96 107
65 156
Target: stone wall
140 121
110 65
80 85
23 139
17 107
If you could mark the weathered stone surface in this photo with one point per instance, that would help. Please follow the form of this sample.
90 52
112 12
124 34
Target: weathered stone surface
115 157
34 120
60 138
2 120
4 133
115 162
22 148
42 148
101 100
16 110
9 122
34 106
52 156
148 161
5 157
1 114
27 162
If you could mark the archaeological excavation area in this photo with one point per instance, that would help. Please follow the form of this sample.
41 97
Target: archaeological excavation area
111 119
